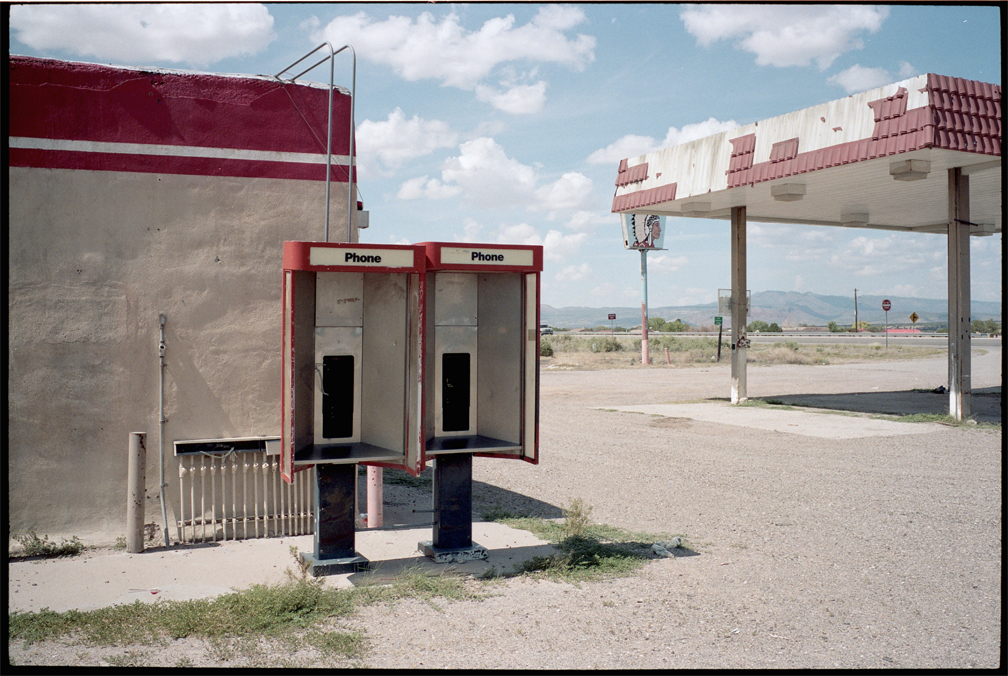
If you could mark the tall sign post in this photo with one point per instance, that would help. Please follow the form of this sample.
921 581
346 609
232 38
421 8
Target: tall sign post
612 319
643 232
885 306
720 327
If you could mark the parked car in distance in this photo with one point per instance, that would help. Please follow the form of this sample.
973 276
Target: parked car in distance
544 330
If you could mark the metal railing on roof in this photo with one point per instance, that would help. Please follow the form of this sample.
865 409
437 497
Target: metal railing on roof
353 99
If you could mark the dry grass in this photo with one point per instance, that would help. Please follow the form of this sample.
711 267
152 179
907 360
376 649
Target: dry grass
605 352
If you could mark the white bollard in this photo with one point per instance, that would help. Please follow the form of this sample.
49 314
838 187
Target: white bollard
375 499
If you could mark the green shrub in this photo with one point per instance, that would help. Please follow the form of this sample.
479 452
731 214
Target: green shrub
545 348
610 344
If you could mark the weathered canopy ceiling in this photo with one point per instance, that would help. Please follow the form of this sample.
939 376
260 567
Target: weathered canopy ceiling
879 159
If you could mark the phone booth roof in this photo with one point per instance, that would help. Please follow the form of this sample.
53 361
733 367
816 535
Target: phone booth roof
483 257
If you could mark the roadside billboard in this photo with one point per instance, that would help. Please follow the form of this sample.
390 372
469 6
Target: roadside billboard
643 231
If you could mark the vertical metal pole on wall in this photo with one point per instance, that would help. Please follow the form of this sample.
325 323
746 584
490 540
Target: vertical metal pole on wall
161 424
136 484
645 355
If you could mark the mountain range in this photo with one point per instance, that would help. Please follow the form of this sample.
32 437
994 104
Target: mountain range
789 309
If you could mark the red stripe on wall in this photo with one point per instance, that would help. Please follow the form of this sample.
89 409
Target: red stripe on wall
160 164
62 100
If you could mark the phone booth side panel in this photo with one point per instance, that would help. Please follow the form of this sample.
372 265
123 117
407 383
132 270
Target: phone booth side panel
500 407
531 392
297 380
411 429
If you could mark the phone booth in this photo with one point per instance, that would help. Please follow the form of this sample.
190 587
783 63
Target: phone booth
351 376
481 374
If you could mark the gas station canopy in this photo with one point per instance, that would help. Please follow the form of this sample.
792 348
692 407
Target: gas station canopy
878 159
921 155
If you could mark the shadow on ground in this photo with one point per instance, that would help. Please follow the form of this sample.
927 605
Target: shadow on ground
407 501
985 403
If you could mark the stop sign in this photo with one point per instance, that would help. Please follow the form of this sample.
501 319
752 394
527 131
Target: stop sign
886 305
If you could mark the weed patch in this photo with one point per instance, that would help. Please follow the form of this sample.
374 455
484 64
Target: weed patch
587 550
945 419
40 546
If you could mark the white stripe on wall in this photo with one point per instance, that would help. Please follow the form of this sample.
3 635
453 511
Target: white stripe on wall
170 151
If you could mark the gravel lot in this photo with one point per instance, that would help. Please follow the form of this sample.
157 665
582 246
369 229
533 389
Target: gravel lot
875 552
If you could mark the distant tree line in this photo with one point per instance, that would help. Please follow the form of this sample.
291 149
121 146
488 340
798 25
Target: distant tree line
659 324
985 326
976 326
760 326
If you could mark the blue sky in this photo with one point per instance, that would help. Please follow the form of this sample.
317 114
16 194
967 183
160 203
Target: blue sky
506 122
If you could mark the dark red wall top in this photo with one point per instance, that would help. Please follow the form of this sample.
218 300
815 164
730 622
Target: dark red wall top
61 100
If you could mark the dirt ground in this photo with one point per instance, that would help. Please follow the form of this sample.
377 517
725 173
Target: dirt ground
872 552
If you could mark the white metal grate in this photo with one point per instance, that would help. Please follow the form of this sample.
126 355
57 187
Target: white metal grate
239 495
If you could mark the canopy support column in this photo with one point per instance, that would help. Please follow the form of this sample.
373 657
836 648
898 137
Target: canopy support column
738 304
958 295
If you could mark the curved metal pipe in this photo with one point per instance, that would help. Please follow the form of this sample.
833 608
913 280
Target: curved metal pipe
353 101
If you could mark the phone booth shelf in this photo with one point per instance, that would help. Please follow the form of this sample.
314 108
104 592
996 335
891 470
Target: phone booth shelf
481 375
351 374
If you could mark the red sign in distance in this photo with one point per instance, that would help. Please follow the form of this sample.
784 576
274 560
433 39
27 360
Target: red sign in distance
886 305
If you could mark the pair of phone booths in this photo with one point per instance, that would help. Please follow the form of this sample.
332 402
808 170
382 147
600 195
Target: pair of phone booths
398 355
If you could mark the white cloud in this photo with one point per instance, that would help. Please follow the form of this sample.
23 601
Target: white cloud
556 245
425 188
666 263
586 220
518 233
428 48
574 273
196 33
570 192
560 247
630 145
785 35
471 231
517 100
857 78
397 140
487 177
697 130
633 145
877 255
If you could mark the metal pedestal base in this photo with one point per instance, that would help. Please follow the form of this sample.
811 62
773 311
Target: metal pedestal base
323 567
452 527
335 527
474 552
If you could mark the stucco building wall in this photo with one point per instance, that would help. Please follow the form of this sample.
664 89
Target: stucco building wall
106 236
